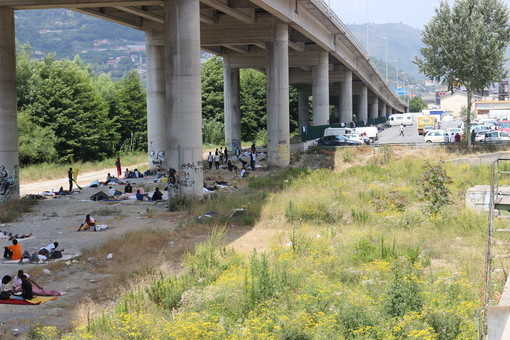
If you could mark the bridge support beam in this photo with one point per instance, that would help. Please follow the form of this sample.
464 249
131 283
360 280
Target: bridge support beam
303 111
183 95
346 98
232 105
277 74
363 103
9 152
373 107
320 90
156 101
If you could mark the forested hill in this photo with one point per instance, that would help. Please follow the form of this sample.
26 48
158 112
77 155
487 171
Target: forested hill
102 43
67 33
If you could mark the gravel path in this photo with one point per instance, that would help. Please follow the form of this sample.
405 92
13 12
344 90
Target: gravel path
57 219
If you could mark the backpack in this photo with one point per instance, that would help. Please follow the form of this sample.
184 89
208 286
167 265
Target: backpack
56 254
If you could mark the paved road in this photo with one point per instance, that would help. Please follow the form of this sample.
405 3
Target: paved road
390 135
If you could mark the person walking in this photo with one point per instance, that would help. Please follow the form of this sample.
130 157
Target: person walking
225 155
210 160
401 130
238 152
217 159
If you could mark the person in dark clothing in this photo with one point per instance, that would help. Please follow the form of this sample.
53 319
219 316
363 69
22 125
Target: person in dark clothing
158 195
225 155
230 165
473 135
70 177
128 188
253 157
26 288
253 148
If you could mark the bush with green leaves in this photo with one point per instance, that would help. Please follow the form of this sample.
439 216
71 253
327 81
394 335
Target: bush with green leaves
434 187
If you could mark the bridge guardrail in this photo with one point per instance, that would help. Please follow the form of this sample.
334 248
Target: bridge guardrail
335 19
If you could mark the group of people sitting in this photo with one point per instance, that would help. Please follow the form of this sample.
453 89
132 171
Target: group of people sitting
23 286
15 252
132 174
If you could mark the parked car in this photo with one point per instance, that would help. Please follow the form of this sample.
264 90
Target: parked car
480 136
435 136
496 136
482 128
504 125
427 128
455 131
358 137
335 140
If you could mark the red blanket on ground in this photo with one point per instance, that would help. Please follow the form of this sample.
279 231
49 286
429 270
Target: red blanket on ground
35 301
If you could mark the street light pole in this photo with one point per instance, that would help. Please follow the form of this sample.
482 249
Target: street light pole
368 49
386 48
396 73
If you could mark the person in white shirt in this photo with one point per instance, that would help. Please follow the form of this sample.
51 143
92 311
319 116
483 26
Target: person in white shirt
89 221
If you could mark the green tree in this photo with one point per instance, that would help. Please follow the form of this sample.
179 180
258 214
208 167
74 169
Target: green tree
60 95
465 46
212 89
416 104
253 103
36 143
131 111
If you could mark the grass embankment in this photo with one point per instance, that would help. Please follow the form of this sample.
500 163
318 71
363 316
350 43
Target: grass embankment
358 255
47 171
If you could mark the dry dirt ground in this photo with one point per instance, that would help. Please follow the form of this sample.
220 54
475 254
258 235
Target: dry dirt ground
57 219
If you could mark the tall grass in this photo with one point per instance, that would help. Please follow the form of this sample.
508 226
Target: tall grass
347 265
47 171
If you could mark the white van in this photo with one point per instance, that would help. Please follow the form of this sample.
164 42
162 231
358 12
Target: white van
400 118
338 131
371 132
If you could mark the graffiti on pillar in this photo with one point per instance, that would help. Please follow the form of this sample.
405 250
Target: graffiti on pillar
157 158
193 166
281 152
7 183
235 143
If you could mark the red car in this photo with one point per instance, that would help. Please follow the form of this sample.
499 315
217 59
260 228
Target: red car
504 125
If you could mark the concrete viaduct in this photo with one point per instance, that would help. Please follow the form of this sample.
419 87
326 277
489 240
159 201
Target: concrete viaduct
295 42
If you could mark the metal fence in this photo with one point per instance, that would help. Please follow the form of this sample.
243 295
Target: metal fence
314 132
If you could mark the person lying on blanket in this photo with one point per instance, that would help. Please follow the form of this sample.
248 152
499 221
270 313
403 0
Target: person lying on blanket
49 249
13 252
88 221
36 289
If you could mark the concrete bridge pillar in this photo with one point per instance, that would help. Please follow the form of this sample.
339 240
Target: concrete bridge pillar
183 96
303 110
232 104
156 101
346 97
382 111
277 74
363 103
320 90
374 107
9 152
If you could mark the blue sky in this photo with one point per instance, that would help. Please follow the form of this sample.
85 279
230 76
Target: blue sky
415 13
